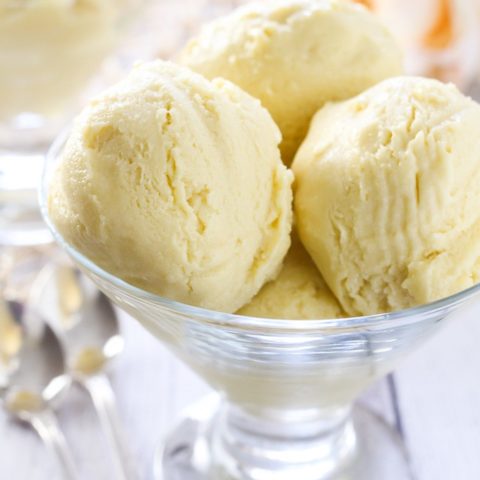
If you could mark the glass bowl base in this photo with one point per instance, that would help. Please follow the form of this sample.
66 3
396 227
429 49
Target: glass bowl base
186 452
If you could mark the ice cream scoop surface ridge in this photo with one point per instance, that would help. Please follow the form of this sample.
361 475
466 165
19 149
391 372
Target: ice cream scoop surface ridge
175 184
295 55
387 195
298 292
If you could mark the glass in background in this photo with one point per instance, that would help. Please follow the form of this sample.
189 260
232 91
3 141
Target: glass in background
53 55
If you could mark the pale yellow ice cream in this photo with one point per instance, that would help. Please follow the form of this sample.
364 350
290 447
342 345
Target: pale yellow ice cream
175 184
299 291
387 196
49 49
294 55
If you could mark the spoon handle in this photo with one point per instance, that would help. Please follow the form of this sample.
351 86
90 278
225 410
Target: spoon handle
46 425
103 397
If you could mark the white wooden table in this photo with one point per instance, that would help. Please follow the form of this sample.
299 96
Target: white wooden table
437 389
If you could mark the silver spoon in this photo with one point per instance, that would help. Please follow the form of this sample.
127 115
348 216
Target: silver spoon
92 338
32 377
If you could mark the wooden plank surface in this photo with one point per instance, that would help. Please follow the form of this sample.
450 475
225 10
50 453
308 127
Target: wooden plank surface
439 398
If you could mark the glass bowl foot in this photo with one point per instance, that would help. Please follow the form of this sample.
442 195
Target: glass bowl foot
186 453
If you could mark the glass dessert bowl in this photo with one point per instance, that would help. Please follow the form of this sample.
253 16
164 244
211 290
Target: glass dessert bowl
287 387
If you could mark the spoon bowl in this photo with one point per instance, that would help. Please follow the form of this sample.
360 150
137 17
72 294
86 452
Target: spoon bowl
33 377
90 328
40 377
38 369
89 321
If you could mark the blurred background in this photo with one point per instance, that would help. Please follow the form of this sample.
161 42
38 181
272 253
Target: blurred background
54 55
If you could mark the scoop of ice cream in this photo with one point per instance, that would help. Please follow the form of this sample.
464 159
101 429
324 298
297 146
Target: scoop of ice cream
49 49
299 291
175 184
294 55
388 194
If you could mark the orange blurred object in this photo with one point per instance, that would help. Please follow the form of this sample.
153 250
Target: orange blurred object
441 34
441 38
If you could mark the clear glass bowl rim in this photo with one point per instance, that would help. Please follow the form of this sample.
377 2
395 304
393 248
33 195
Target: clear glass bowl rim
391 320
